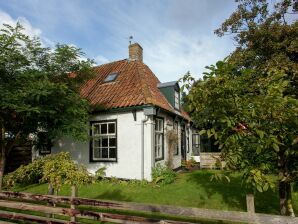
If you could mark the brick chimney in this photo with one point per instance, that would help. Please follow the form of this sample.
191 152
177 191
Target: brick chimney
135 52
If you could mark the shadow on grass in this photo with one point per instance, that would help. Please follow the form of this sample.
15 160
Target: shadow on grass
233 193
115 194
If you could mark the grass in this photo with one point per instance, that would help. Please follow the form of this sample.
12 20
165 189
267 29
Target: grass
190 189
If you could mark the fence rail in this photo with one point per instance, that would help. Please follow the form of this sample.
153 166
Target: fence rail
7 197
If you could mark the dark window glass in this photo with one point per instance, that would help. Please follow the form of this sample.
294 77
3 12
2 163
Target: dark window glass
112 152
105 152
112 128
104 129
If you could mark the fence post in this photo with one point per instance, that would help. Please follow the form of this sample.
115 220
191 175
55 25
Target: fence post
74 193
250 203
50 192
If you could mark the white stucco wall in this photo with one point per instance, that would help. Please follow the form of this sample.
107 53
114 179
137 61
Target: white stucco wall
129 139
128 164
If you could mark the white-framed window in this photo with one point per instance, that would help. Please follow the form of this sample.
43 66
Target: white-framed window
159 138
176 149
103 141
177 100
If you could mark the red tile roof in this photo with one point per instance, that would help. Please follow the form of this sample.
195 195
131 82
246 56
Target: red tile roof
135 85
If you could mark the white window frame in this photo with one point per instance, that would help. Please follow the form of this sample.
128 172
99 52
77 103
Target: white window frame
97 140
159 139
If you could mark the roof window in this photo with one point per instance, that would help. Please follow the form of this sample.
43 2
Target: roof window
111 77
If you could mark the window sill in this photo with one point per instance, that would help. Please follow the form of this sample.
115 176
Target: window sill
103 161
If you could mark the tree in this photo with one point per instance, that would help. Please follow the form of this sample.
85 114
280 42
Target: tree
254 123
39 90
265 36
251 101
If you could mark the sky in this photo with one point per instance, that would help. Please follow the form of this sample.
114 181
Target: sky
177 36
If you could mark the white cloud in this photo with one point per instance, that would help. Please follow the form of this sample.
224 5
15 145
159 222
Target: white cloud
28 28
101 59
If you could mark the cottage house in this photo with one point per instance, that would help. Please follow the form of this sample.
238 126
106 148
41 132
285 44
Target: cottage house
128 131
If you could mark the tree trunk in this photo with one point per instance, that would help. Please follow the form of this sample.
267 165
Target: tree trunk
289 200
2 166
285 190
283 198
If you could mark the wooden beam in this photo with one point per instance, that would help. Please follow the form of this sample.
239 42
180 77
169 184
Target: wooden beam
208 214
103 217
29 218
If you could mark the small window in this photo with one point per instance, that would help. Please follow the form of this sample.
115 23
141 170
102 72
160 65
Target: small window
159 138
177 100
111 77
104 141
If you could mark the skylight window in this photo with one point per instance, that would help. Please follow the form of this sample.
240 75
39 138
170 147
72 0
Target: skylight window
111 77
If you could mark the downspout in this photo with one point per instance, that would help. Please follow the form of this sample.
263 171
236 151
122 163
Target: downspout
143 147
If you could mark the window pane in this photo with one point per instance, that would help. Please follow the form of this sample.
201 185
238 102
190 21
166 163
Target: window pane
156 125
112 142
103 129
105 142
113 153
97 143
104 152
96 153
95 129
112 128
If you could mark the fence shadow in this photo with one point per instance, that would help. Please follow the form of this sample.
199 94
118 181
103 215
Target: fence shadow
233 193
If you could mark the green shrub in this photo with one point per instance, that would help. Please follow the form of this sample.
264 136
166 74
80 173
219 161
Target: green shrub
55 169
100 174
25 175
163 175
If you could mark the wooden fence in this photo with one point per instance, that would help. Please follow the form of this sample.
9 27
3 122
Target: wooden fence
68 206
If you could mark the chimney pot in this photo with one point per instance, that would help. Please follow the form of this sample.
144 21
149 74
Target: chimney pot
135 52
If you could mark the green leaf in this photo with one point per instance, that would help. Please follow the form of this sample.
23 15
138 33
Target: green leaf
259 188
266 186
202 132
275 147
260 134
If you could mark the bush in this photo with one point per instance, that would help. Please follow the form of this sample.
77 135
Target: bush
100 174
162 174
25 175
55 169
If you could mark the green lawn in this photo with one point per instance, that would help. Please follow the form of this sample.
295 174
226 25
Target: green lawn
190 189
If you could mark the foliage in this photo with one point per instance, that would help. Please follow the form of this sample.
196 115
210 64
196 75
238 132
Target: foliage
100 174
61 170
249 102
266 37
39 90
163 175
251 119
189 165
55 169
24 175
